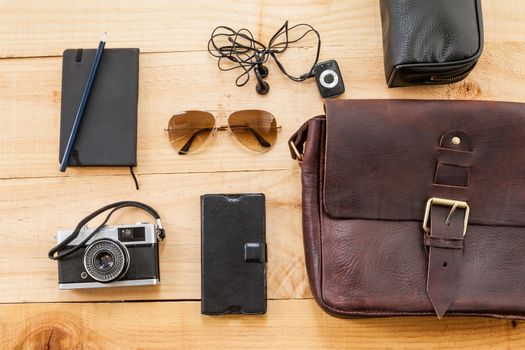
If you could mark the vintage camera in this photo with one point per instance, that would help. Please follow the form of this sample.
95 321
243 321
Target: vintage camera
329 79
122 255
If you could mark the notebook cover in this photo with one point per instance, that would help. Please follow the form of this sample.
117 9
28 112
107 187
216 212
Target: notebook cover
108 132
233 254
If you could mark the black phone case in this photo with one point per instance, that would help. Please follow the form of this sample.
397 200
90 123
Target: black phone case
233 254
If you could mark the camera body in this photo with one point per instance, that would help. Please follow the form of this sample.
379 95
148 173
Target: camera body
329 80
117 256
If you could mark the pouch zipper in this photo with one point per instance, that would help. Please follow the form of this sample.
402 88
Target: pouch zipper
452 78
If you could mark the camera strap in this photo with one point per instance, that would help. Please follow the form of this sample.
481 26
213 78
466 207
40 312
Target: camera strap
159 230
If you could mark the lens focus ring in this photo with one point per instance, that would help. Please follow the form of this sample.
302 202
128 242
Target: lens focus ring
106 260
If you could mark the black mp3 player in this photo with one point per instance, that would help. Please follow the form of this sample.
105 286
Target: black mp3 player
329 79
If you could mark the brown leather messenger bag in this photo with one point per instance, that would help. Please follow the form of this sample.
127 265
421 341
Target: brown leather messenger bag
415 207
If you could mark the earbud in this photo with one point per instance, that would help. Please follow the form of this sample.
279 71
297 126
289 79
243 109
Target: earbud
262 70
262 87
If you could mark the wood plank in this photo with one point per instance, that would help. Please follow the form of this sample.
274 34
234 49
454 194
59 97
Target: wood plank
34 209
288 324
165 26
33 28
30 106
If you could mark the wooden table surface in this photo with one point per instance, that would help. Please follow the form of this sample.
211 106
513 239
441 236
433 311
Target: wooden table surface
176 74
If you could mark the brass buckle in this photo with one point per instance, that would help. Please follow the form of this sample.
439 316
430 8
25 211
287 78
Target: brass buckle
296 151
446 203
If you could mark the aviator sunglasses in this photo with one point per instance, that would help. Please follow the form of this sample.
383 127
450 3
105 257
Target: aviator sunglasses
255 129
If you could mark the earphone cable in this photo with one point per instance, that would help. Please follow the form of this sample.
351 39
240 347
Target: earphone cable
247 53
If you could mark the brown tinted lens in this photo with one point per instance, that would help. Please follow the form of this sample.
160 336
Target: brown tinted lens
189 130
255 129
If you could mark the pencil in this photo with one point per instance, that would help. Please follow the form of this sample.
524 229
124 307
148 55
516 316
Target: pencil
83 103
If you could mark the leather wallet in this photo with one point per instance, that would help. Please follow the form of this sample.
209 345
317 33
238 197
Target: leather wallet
233 254
414 207
430 41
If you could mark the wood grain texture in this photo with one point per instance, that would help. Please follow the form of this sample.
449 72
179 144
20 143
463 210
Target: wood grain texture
33 210
33 28
290 324
167 26
30 106
176 73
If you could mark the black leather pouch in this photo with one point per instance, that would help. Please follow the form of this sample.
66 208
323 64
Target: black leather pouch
233 254
430 41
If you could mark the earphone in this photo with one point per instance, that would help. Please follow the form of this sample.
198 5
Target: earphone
238 49
261 72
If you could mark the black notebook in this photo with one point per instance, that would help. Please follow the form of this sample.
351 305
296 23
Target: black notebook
108 132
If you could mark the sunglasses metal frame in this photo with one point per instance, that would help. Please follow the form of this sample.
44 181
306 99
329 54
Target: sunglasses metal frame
260 139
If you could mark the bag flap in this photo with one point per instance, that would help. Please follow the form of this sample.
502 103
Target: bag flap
386 158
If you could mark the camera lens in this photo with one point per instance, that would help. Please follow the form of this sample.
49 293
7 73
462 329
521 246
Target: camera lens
106 260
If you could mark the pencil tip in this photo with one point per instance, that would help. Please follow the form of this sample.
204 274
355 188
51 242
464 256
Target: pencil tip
104 36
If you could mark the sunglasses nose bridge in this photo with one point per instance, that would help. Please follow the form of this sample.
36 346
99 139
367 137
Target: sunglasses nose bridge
225 128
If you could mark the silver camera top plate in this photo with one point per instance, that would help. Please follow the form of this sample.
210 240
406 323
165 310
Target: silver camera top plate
110 232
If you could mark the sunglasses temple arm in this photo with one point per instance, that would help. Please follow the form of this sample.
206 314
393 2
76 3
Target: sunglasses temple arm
262 141
186 148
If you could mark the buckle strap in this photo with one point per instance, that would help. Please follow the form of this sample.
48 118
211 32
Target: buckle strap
445 240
